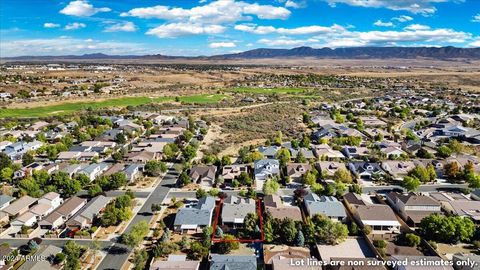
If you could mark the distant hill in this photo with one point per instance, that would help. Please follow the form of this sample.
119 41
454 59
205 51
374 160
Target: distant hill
360 53
299 52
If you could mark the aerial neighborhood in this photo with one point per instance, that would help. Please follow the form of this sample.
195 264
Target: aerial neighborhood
240 135
365 182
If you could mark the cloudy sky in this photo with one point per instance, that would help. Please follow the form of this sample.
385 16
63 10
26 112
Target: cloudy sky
205 27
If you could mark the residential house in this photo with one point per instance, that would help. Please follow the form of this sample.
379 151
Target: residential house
392 152
203 175
5 201
398 169
351 248
175 262
327 206
231 172
379 217
84 217
365 170
235 209
133 172
70 207
44 251
269 151
325 152
194 219
372 121
328 168
142 157
72 169
265 169
458 204
354 152
233 262
51 198
94 170
20 206
26 219
41 210
51 222
295 171
275 206
412 207
307 153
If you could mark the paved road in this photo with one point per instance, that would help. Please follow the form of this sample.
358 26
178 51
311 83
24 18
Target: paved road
118 254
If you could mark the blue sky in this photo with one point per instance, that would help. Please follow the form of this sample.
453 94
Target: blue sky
49 27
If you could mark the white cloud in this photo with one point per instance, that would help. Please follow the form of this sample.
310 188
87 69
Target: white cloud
293 4
286 42
425 7
381 23
476 18
82 8
121 27
343 37
75 26
417 27
172 30
67 45
215 12
303 30
216 45
475 43
403 18
51 25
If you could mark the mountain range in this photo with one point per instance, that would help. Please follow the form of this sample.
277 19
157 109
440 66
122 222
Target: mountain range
440 53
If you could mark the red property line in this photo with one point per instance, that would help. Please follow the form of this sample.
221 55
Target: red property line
215 224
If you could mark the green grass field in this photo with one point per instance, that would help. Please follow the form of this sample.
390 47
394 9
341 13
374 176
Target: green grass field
255 90
67 108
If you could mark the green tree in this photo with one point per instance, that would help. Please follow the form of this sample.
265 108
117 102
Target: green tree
197 251
410 183
228 245
447 229
270 187
309 178
27 158
245 179
136 234
184 179
300 239
444 152
154 168
283 156
201 193
6 174
342 175
94 190
413 240
5 161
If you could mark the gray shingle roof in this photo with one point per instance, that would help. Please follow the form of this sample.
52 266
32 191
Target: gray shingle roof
231 262
199 215
326 205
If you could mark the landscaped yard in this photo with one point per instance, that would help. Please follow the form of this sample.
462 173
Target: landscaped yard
70 107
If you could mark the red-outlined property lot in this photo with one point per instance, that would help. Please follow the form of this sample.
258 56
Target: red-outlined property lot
215 224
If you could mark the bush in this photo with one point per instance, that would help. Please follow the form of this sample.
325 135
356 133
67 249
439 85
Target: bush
413 240
367 229
59 257
380 243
